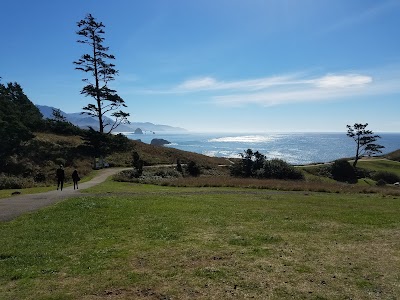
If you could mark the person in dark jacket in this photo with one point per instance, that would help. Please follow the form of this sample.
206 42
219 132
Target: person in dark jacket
60 177
75 178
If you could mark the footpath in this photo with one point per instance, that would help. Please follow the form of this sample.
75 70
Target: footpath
12 207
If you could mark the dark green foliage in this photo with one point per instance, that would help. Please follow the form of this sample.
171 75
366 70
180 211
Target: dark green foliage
249 165
18 116
95 143
193 169
61 127
254 164
20 106
99 144
179 166
387 177
343 171
365 141
101 71
381 182
118 143
137 164
279 169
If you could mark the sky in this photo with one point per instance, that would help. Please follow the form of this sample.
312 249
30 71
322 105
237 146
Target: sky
218 65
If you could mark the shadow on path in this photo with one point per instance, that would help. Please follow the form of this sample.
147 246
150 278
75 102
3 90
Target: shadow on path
12 207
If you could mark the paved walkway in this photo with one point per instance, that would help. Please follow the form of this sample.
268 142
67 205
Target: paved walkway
12 207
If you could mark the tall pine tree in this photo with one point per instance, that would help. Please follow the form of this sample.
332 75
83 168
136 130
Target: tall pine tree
97 65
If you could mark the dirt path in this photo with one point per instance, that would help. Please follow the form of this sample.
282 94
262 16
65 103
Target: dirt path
15 206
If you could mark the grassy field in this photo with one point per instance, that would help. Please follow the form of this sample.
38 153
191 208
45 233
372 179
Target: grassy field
380 165
132 241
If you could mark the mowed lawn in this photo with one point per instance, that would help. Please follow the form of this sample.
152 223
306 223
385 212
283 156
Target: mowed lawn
134 241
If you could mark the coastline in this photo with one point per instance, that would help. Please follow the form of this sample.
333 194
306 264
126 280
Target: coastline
298 148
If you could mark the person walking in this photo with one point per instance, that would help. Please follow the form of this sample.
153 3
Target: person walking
60 177
75 178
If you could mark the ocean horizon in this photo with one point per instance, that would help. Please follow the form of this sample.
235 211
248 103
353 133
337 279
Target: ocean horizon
296 148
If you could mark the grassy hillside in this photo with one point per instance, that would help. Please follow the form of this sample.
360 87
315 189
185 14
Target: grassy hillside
38 159
155 155
395 155
380 165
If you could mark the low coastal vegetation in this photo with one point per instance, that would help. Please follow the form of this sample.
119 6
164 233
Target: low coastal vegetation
38 159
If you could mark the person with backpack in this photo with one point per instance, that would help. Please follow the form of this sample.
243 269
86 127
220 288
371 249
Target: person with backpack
75 178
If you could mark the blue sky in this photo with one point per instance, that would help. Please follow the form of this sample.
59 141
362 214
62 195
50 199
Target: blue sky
218 65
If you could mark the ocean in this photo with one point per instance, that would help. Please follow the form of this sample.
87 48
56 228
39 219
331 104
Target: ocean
294 148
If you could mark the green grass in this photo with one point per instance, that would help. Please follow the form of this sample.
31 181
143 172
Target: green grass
154 242
383 165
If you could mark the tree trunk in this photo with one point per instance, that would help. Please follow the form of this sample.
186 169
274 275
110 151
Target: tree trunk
357 152
96 76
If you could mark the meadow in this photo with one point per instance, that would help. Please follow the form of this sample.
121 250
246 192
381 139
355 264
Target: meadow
142 241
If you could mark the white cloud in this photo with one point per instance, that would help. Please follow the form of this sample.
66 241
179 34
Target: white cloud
326 88
198 84
327 81
342 81
291 88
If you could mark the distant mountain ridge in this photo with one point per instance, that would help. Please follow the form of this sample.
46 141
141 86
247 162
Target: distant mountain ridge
85 121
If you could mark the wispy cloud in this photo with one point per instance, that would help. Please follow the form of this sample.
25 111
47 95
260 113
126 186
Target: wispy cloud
289 88
211 84
342 81
325 88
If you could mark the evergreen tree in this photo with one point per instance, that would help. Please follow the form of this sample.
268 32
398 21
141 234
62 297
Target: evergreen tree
58 115
97 64
17 116
365 140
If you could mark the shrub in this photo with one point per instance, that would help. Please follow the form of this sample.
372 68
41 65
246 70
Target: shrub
137 163
237 170
279 169
387 177
166 173
343 171
126 176
381 182
13 182
179 166
193 169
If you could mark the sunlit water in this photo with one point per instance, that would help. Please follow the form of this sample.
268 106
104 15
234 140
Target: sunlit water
295 148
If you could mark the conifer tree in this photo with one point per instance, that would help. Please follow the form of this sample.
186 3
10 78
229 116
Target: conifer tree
101 71
365 140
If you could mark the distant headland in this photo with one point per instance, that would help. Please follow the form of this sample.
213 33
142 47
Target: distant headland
84 121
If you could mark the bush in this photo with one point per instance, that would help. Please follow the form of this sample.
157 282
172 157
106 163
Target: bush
193 169
13 182
179 166
237 169
387 177
381 182
343 171
279 169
